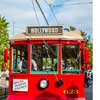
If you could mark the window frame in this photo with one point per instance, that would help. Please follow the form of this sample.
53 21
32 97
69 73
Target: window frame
44 72
74 70
16 70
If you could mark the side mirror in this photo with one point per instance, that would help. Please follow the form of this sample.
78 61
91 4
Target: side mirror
5 55
86 55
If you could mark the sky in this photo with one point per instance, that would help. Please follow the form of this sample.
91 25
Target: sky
21 14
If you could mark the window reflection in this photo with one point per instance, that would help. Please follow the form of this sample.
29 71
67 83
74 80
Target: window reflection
44 58
70 58
20 58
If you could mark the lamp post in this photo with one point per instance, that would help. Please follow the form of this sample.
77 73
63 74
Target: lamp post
13 27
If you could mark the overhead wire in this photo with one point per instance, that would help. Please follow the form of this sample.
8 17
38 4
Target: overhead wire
35 13
50 6
52 11
73 4
42 12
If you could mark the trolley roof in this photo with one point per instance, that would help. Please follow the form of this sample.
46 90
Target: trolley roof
48 32
72 35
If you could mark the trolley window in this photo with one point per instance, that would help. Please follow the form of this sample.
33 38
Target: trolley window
70 58
20 58
44 59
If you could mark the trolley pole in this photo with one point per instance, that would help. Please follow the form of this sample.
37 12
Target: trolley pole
42 12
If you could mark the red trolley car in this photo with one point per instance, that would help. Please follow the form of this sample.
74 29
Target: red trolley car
56 71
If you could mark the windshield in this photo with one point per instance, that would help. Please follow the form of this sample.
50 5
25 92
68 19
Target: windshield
20 58
44 58
70 58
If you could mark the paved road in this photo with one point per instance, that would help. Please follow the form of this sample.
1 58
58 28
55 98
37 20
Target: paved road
4 91
89 93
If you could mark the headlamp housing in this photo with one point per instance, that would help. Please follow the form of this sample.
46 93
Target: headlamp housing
43 83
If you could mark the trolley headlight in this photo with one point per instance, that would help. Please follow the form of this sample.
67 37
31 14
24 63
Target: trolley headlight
43 83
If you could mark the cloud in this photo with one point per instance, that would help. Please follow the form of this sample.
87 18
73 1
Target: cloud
22 12
79 16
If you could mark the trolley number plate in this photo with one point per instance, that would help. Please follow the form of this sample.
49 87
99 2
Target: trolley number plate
71 91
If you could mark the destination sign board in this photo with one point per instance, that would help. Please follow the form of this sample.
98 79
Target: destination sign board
44 30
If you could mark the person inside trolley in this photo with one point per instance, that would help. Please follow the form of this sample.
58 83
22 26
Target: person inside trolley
33 63
22 64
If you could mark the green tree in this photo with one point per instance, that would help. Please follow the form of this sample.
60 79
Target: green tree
88 42
4 39
72 28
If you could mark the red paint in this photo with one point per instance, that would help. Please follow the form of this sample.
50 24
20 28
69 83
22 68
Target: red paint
29 58
88 66
5 55
69 80
52 92
86 56
81 44
59 59
10 69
